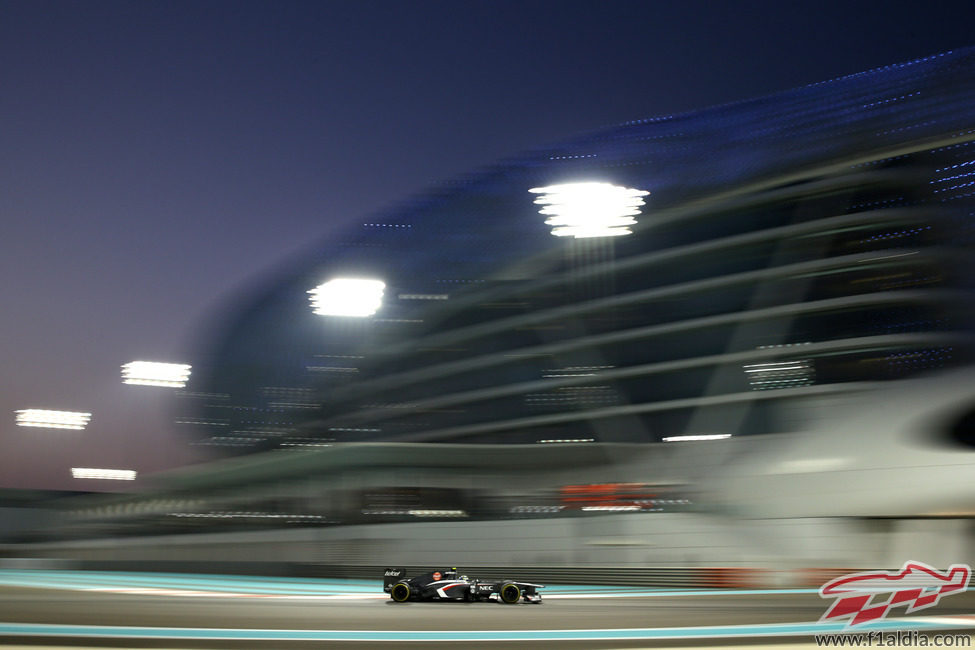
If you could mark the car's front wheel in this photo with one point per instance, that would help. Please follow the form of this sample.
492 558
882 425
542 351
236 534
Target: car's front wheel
400 592
510 593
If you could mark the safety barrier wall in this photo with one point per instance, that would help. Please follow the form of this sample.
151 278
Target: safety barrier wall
659 577
631 541
674 577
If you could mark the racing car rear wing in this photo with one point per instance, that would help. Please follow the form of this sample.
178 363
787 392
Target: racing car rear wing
391 576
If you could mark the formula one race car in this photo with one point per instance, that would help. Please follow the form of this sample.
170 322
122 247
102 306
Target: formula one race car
446 584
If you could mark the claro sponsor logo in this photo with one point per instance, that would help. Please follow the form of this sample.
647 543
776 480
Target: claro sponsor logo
869 596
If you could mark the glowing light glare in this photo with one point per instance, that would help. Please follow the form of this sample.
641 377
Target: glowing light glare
46 419
103 474
709 436
348 297
589 209
437 513
152 373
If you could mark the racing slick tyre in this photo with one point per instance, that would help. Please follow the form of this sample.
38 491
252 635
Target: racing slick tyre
509 593
400 592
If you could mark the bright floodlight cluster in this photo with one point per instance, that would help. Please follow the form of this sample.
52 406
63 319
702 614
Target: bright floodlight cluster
699 437
347 297
52 419
589 209
103 474
152 373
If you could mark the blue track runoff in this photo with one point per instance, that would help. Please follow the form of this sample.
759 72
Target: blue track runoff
618 634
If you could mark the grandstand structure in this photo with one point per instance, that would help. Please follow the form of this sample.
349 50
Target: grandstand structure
809 243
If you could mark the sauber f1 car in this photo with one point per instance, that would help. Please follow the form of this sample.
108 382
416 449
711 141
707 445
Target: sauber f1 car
447 584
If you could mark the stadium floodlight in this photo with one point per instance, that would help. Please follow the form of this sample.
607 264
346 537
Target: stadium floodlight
103 474
347 297
46 419
153 373
589 209
707 436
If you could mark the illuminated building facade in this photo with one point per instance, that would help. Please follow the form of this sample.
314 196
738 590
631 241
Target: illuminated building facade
765 254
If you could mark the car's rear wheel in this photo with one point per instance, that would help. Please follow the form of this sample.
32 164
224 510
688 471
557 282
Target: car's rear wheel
400 592
510 593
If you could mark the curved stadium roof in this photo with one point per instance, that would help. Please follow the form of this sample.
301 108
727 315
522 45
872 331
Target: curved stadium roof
796 245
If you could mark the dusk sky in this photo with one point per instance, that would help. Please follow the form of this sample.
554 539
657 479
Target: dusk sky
157 157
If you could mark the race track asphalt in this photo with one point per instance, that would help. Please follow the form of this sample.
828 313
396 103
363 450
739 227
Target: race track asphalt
270 614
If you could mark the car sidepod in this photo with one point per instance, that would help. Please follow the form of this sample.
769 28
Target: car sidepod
448 589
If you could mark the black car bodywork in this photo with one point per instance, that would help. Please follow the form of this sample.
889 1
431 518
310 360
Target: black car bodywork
447 584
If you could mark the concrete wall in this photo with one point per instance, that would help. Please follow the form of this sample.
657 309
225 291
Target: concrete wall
16 521
627 540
